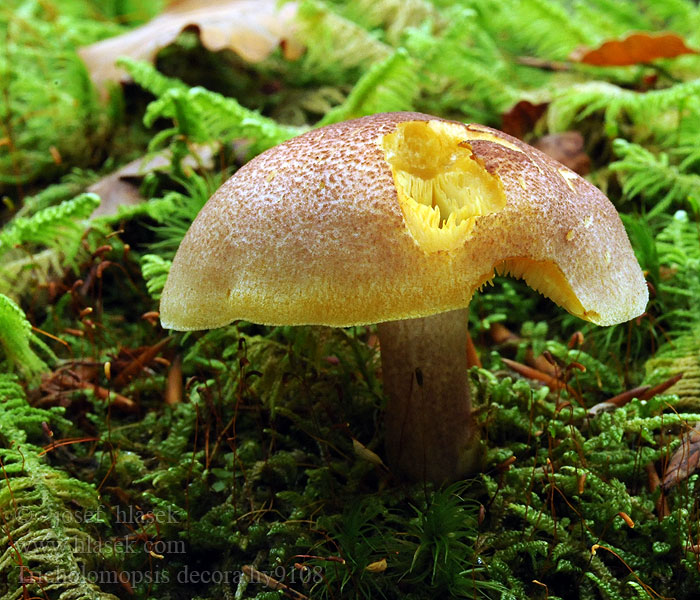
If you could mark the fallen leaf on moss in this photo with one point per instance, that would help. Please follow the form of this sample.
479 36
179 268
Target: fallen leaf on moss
634 49
253 29
121 188
365 453
57 388
522 117
685 459
567 148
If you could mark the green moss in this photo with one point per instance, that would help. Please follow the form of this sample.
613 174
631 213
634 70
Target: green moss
237 447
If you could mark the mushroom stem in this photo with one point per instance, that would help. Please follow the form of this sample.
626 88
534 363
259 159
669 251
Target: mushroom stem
430 433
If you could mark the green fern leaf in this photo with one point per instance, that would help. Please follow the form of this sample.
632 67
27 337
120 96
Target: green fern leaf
655 111
652 176
155 271
51 226
337 49
17 339
43 546
148 77
462 67
549 28
33 248
390 85
393 16
203 116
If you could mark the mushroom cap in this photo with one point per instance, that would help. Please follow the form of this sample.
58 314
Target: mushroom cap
356 223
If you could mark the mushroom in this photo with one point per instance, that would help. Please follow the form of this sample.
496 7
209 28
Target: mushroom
397 219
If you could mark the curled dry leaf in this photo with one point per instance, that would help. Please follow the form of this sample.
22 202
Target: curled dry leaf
365 453
173 388
131 362
662 508
57 388
685 460
522 117
473 359
253 29
121 188
634 49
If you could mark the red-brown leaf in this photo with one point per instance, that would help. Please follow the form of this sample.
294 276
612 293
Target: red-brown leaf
520 120
634 49
685 460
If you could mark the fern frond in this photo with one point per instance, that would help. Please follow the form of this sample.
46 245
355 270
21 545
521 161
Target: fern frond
203 116
182 208
155 271
676 15
148 77
393 16
546 28
44 549
689 133
652 176
678 244
682 356
338 50
463 68
22 272
390 85
51 225
656 111
33 248
678 247
17 339
613 18
70 186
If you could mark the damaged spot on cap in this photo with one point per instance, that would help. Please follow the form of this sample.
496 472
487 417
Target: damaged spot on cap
442 187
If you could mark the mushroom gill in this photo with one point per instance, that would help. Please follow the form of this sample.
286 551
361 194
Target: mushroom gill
442 186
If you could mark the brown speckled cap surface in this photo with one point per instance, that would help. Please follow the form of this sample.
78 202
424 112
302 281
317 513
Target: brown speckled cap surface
311 232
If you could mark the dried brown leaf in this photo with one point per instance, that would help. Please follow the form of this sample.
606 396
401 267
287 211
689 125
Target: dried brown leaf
685 460
634 49
522 117
253 29
121 188
57 387
378 566
500 334
365 453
